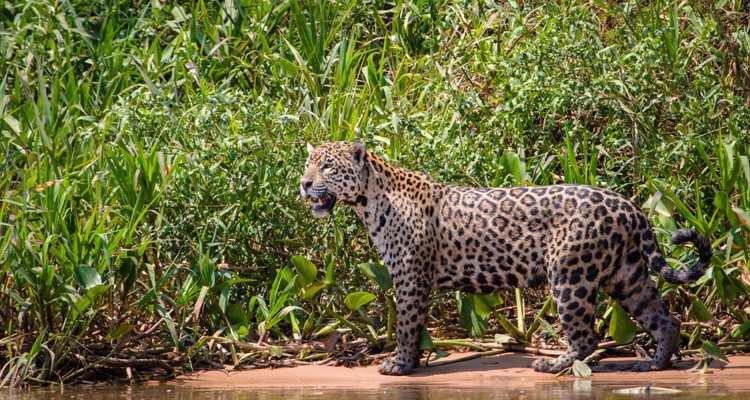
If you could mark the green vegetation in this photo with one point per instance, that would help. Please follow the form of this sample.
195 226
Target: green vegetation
151 153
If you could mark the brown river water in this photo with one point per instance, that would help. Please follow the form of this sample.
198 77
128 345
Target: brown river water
581 389
505 376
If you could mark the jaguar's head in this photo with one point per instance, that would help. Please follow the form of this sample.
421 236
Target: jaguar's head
333 174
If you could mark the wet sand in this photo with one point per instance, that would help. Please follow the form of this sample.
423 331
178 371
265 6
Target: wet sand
504 370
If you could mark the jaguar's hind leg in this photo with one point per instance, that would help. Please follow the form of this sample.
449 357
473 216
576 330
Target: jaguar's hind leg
576 308
642 302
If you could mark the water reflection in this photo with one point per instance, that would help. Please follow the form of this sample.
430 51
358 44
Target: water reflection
566 390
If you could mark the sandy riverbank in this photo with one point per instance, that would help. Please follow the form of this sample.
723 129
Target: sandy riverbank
501 370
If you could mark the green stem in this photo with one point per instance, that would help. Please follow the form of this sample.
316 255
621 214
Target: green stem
537 320
724 349
345 322
464 343
508 326
519 310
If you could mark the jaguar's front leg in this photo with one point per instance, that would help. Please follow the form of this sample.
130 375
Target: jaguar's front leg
412 292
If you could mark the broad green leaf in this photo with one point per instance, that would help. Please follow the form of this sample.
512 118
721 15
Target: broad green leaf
324 331
86 276
151 87
425 340
741 330
469 319
657 203
207 272
236 314
713 350
241 331
498 178
199 302
378 273
309 291
161 311
439 354
239 280
581 369
84 302
81 305
286 274
726 284
12 123
281 314
275 351
721 201
502 338
745 169
330 269
683 209
357 299
309 324
426 343
96 291
700 311
305 269
621 328
484 303
512 166
119 331
338 236
37 344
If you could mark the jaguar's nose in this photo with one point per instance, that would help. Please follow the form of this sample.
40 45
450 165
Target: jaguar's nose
305 183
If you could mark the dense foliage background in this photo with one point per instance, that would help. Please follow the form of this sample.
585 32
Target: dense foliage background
151 153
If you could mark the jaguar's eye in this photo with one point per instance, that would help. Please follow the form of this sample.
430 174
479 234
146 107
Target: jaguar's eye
325 166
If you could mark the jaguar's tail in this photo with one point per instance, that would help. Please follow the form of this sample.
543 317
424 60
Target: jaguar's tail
659 265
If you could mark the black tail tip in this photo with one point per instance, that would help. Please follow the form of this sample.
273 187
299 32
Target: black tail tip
685 235
691 235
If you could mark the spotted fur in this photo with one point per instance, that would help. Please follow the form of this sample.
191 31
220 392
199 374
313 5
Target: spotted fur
579 239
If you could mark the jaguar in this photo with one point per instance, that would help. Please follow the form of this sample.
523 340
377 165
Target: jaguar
578 239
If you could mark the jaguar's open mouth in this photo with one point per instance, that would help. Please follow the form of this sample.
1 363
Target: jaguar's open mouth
322 204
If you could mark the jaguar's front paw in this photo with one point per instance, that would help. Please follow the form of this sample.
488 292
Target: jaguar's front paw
392 367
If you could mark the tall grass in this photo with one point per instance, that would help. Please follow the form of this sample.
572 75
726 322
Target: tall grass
151 154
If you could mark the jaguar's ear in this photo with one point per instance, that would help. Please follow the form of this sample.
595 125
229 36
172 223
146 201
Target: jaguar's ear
358 152
310 148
